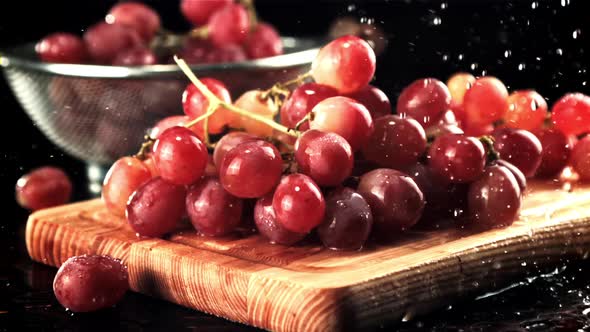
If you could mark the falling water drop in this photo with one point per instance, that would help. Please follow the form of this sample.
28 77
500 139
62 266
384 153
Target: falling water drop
576 33
559 51
521 66
436 20
507 53
534 5
444 5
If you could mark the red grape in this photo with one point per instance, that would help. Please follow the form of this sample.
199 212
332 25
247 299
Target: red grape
494 199
123 178
42 188
439 130
518 175
90 282
228 142
262 42
395 199
298 203
571 114
180 156
137 16
105 41
198 12
138 56
526 110
485 102
477 130
396 142
196 50
226 53
345 117
424 100
156 207
519 147
580 158
195 104
62 47
317 153
301 101
456 158
174 121
458 85
556 150
211 209
269 227
375 101
251 169
346 64
251 102
442 200
229 25
347 222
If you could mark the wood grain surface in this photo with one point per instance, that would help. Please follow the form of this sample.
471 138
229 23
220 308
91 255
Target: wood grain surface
310 288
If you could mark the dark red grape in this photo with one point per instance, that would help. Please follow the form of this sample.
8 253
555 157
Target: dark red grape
298 203
301 102
395 199
228 142
556 150
123 178
347 222
42 188
396 142
345 117
180 156
198 12
494 199
251 169
211 209
195 51
174 121
224 54
519 147
346 64
571 114
262 42
325 157
90 282
518 175
156 207
456 158
424 100
269 227
580 158
229 25
138 56
137 16
442 200
105 41
375 101
62 47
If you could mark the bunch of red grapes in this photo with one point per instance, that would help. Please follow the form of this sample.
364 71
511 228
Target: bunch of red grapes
226 32
341 164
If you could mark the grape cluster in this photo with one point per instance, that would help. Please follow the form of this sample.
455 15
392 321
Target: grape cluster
339 164
132 35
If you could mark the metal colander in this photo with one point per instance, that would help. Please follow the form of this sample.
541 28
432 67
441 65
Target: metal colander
99 113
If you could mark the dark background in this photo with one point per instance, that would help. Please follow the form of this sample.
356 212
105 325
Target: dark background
527 44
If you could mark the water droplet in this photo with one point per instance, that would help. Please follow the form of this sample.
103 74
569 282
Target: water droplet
521 66
436 20
445 57
351 8
523 264
576 33
534 5
444 5
565 3
507 53
559 51
460 57
474 65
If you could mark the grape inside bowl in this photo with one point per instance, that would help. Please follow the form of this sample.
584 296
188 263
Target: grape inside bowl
99 113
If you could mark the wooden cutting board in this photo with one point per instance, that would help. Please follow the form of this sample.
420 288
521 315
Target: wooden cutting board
309 288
